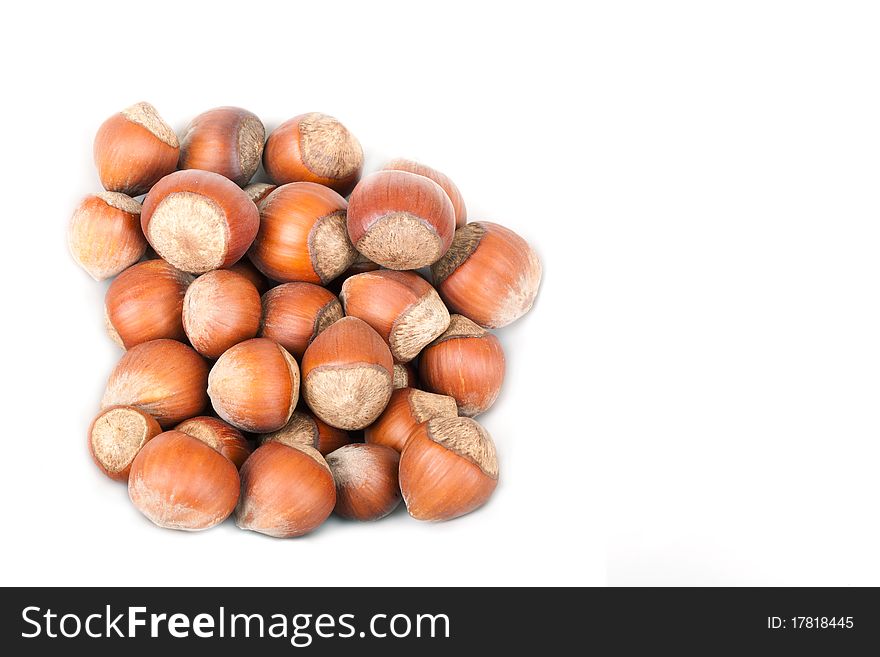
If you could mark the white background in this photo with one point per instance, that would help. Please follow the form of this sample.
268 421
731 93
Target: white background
694 398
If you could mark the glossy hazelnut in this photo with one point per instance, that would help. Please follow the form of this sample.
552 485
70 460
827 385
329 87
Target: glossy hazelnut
145 302
215 433
221 308
163 378
179 482
465 363
447 469
255 385
199 220
400 220
441 179
116 435
133 149
490 275
225 140
366 481
407 409
302 235
285 491
347 373
404 376
104 235
400 306
306 429
295 313
314 148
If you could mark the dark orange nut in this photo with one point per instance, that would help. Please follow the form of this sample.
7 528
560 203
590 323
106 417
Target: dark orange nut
407 409
404 376
441 179
215 433
285 491
302 235
401 306
220 309
225 140
133 149
366 481
295 313
246 268
179 482
306 429
199 220
164 378
255 385
447 469
145 302
490 275
259 191
400 220
105 235
347 373
465 363
314 148
116 435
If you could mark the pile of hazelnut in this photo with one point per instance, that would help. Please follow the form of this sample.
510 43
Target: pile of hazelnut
295 317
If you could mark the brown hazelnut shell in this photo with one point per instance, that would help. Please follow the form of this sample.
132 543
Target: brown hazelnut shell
179 482
285 491
163 378
199 220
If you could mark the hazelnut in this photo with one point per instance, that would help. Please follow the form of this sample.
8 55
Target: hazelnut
285 491
400 220
314 148
440 178
302 235
164 378
179 482
295 313
215 433
366 481
116 435
221 308
347 374
306 429
466 363
199 220
401 306
258 191
404 376
134 149
447 469
145 302
225 140
490 274
406 409
246 268
105 235
255 385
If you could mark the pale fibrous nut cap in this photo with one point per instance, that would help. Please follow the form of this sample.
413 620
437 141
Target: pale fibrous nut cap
468 439
329 150
147 116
